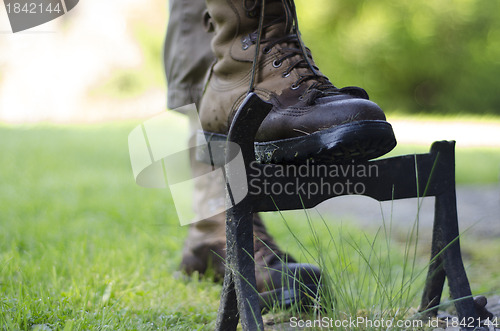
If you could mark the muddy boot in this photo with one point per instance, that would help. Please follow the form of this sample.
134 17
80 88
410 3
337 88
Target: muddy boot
258 49
205 245
205 248
281 281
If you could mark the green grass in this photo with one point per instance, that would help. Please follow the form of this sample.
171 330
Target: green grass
83 247
368 273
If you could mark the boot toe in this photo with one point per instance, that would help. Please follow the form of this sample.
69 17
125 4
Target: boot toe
292 122
284 285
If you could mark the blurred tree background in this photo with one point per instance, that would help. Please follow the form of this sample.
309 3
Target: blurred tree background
440 56
412 56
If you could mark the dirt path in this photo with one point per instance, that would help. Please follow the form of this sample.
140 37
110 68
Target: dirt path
478 211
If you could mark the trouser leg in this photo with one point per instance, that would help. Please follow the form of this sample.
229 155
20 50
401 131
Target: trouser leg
206 240
187 59
187 52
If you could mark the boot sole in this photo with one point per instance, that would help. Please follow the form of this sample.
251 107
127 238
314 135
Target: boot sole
359 141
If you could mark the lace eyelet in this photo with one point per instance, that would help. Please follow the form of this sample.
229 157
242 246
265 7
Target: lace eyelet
286 74
266 50
294 87
245 47
301 98
277 63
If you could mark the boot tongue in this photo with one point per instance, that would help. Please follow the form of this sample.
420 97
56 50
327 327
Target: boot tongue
275 23
271 31
276 29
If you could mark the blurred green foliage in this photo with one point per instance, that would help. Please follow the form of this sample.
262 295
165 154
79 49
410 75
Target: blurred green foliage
411 55
146 26
131 82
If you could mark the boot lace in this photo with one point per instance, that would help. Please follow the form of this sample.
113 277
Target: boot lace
321 85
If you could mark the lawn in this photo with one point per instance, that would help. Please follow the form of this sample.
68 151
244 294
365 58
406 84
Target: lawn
83 247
